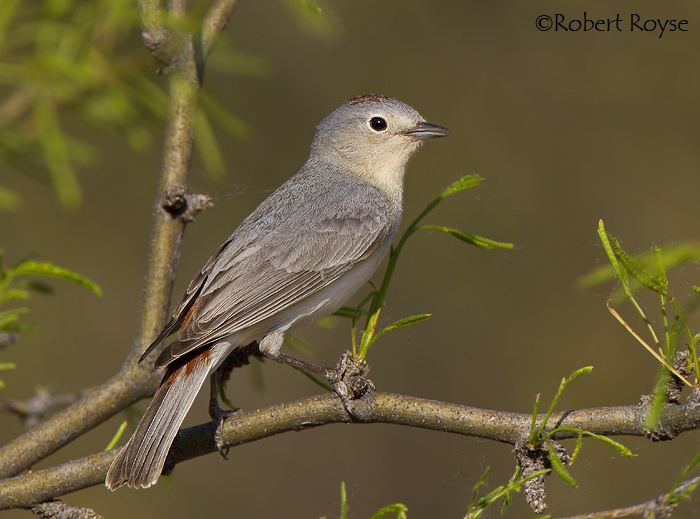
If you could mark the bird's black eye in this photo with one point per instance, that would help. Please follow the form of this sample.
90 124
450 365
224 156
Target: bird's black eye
378 124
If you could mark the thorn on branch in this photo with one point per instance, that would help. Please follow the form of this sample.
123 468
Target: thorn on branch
60 510
34 409
185 206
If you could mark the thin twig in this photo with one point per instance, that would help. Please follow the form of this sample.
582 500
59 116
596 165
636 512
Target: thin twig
215 21
651 350
249 426
661 506
135 380
32 410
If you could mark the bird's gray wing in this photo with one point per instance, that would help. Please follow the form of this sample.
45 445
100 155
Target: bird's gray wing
256 279
188 299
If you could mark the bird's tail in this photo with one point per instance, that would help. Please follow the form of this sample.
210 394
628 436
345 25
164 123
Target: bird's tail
140 462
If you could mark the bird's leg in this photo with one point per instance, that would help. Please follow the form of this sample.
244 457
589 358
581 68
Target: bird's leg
217 382
217 413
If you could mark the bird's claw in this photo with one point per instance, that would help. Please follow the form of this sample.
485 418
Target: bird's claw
218 418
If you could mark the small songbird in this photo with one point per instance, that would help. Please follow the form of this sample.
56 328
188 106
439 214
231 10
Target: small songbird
306 249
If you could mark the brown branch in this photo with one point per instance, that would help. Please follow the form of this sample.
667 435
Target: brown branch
215 21
662 506
134 381
59 510
249 426
32 410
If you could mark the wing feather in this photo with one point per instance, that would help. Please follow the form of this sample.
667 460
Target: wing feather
278 258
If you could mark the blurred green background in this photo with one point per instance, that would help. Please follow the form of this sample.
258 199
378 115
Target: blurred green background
567 128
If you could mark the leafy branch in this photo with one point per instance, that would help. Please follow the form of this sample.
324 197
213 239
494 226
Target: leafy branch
376 298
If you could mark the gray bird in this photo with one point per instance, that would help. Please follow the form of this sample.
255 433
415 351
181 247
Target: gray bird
307 248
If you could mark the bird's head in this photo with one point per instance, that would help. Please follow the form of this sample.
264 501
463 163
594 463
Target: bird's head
373 136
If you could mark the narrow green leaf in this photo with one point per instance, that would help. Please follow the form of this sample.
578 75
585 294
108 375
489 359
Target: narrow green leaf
620 448
7 366
402 323
479 484
672 256
44 268
55 149
15 294
562 386
9 317
533 435
577 448
558 466
9 200
397 508
208 148
694 462
501 491
658 399
368 333
472 239
620 273
631 265
462 184
117 436
220 115
508 497
344 508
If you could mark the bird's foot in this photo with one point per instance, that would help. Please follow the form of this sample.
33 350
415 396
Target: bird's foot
218 415
350 383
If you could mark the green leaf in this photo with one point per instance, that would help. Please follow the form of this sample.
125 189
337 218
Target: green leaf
501 491
479 484
7 366
658 399
577 448
9 317
55 149
621 449
472 239
562 386
508 498
403 323
642 276
558 466
311 17
15 294
344 508
117 436
228 122
397 508
672 256
620 273
9 200
46 269
208 148
462 184
534 431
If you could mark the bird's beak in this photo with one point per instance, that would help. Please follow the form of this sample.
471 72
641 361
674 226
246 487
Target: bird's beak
425 130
